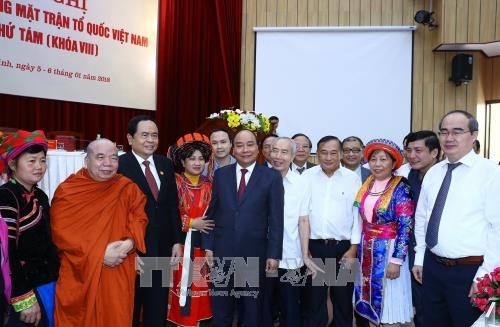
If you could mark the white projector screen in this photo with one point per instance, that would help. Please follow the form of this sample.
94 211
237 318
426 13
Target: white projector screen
336 81
91 51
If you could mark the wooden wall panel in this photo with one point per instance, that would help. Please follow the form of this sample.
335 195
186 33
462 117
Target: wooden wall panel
459 21
487 20
323 12
473 22
494 93
497 22
365 13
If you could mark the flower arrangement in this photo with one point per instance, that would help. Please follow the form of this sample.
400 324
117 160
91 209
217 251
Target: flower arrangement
488 291
236 119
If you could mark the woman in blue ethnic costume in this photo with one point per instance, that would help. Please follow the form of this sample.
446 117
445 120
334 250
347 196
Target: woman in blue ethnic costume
382 292
190 301
24 208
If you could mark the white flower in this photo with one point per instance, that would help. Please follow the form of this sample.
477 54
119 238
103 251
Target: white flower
214 115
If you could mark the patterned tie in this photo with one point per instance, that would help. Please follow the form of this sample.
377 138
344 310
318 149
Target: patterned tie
431 237
243 185
150 179
300 170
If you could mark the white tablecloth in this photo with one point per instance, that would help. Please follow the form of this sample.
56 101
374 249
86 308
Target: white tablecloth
60 164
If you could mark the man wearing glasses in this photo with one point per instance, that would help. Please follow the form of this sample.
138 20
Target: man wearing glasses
352 148
304 146
457 225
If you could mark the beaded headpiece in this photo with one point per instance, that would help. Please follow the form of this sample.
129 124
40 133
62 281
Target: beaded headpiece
386 145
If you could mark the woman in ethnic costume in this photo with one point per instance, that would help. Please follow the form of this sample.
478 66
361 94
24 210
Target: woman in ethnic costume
190 301
24 208
382 292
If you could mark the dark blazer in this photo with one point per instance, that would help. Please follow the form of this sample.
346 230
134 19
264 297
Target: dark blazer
164 227
252 227
365 172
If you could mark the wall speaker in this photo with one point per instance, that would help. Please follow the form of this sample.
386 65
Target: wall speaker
461 69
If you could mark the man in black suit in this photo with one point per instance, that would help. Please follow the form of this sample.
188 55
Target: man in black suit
154 175
422 152
247 208
304 147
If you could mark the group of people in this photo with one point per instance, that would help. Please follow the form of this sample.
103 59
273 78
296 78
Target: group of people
255 242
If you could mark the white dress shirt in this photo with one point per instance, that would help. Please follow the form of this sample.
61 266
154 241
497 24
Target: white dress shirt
470 222
332 213
247 175
404 170
151 166
297 197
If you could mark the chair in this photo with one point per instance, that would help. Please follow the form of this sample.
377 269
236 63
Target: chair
72 140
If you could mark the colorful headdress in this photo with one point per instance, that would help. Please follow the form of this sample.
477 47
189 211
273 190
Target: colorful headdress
15 144
386 145
187 142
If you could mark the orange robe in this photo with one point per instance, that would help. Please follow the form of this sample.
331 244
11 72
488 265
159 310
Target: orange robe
85 216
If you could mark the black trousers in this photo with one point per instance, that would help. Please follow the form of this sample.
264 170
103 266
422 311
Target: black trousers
341 295
416 289
152 301
232 293
288 296
446 290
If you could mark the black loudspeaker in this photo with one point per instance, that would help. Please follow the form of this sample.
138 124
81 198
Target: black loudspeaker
461 69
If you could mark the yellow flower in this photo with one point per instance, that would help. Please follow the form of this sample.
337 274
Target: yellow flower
233 120
266 125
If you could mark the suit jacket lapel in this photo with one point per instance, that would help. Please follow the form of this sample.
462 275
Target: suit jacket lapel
139 175
253 181
232 185
162 174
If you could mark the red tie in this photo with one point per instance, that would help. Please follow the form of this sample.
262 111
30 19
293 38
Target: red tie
150 179
243 185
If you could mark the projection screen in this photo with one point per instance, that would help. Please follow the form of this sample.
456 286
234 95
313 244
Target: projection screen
336 81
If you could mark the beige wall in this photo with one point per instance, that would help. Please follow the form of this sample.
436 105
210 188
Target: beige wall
460 21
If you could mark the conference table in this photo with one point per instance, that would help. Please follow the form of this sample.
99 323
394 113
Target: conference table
60 164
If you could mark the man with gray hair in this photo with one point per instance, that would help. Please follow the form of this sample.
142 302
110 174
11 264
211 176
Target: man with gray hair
295 237
457 225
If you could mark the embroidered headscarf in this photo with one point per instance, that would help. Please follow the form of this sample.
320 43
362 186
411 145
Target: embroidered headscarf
13 145
386 145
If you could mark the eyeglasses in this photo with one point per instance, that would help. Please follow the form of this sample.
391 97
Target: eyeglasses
454 132
353 150
302 146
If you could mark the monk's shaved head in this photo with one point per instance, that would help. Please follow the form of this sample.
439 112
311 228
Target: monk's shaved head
91 148
101 160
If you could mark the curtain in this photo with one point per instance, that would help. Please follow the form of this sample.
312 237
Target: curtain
198 72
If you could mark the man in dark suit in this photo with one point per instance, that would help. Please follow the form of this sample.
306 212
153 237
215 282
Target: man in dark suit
304 147
154 175
247 207
352 148
422 152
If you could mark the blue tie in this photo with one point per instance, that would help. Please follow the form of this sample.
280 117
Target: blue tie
431 237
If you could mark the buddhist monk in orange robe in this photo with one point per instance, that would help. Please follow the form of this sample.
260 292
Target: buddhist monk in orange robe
98 221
